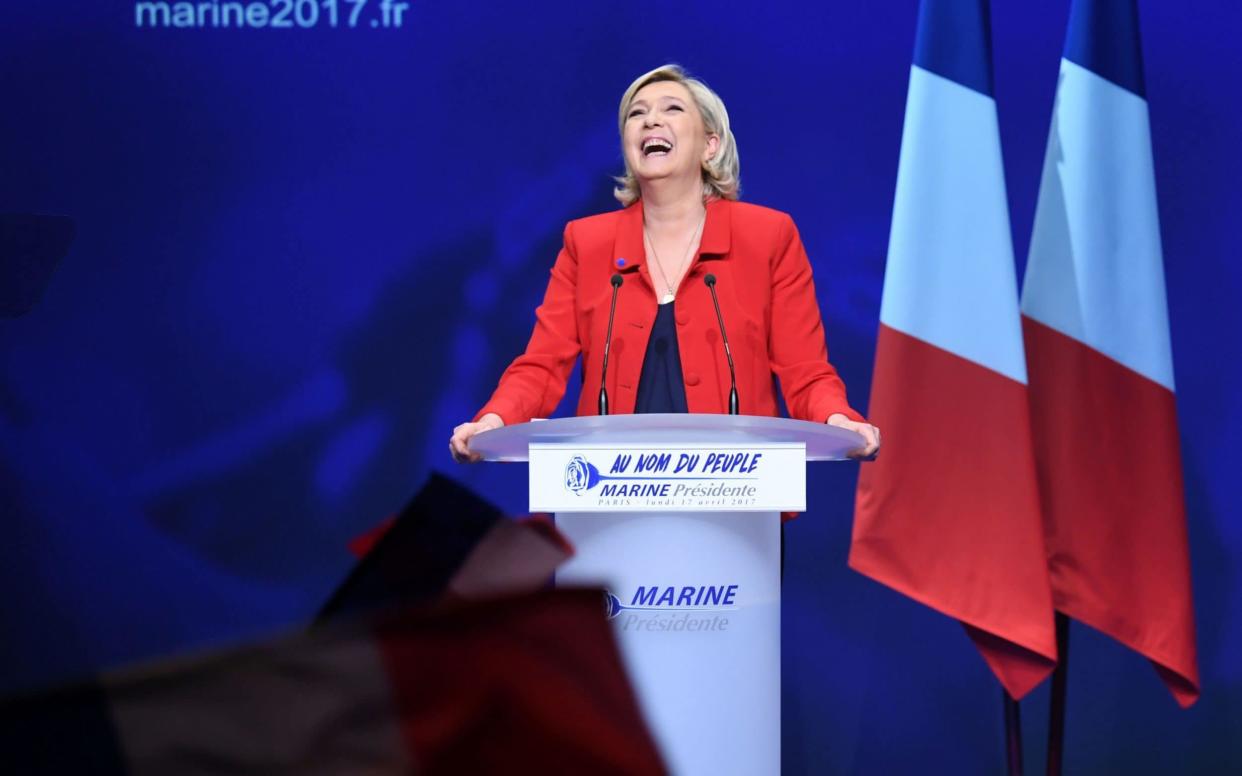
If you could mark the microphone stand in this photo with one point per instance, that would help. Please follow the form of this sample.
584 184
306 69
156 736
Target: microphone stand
616 281
710 280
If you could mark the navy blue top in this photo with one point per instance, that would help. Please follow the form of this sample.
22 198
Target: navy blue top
660 388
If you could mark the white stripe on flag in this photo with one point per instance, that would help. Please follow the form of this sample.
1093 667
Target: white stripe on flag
295 705
950 278
1095 271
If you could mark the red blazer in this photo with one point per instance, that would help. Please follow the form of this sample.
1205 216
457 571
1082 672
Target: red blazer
767 298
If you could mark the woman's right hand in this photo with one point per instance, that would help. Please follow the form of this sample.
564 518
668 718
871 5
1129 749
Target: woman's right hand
459 443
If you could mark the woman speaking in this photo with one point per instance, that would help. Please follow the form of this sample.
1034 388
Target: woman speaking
681 234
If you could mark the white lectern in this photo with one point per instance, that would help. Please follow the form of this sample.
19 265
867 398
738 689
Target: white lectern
677 517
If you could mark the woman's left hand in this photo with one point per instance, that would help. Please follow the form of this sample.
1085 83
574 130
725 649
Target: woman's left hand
869 433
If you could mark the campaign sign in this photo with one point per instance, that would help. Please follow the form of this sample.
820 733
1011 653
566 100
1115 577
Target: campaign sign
668 478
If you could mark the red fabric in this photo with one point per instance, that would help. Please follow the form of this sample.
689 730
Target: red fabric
767 299
949 513
522 685
1111 480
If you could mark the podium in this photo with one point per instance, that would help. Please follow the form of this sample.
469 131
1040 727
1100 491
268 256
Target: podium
677 518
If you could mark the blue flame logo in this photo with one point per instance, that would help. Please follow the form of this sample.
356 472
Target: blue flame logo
580 475
612 605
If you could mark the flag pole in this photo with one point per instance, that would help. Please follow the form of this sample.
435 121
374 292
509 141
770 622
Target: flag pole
1056 707
1013 735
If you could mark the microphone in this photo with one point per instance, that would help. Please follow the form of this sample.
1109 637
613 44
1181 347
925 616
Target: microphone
710 280
617 280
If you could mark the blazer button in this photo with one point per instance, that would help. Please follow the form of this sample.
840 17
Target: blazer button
692 378
683 318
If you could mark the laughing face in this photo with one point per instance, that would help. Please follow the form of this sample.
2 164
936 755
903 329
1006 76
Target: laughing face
664 134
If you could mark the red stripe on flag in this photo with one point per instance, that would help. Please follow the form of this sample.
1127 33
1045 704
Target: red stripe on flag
1110 477
530 684
949 513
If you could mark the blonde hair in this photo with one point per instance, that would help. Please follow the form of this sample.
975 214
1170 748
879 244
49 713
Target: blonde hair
720 173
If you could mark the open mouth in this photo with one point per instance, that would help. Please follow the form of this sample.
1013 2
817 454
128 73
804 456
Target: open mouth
656 146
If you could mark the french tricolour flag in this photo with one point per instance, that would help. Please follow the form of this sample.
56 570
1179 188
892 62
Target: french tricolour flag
529 683
949 512
1097 339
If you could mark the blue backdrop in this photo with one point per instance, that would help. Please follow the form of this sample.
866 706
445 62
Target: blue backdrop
305 253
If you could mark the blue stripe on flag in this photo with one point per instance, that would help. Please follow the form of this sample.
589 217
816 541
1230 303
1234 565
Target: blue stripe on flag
954 41
1103 37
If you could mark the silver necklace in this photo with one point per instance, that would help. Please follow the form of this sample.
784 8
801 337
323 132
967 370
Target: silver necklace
694 238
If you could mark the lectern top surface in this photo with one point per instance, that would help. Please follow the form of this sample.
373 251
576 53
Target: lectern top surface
511 443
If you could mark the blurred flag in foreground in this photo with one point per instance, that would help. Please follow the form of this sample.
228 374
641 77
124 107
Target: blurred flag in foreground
1097 342
949 512
529 684
399 674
